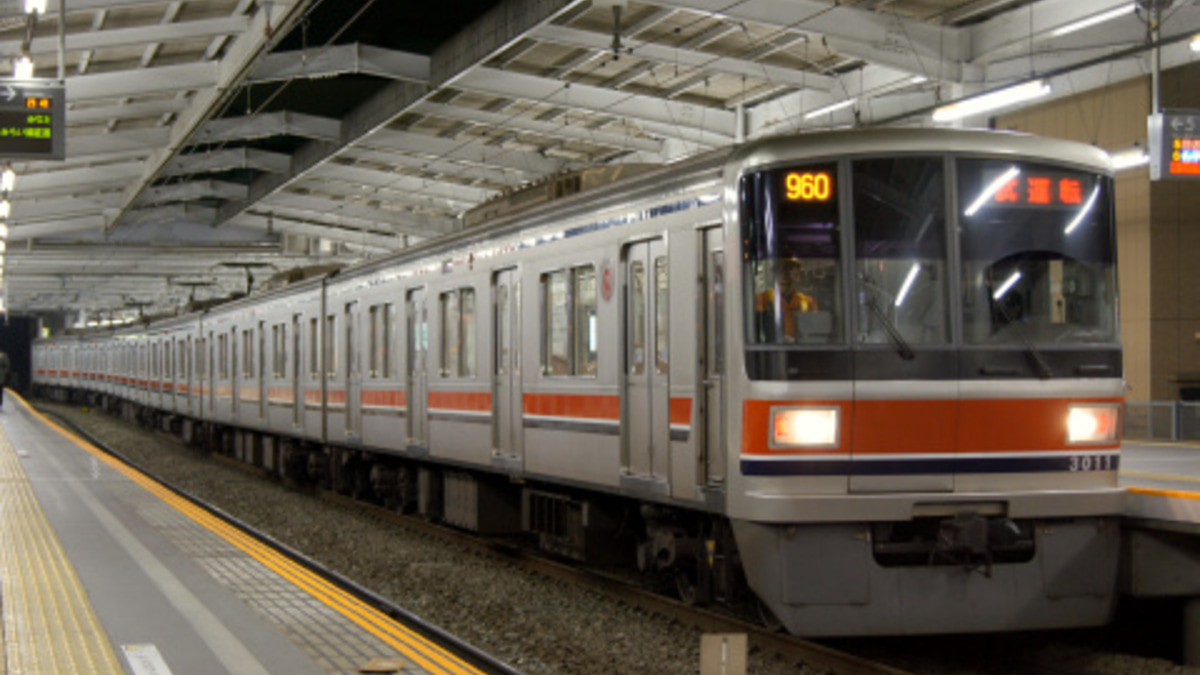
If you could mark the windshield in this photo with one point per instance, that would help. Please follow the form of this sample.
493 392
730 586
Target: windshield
900 251
1032 262
1038 254
792 255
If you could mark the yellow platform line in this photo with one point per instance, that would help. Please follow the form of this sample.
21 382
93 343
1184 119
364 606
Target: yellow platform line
410 644
50 627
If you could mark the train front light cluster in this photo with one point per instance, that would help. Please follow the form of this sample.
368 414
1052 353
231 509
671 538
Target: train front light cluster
1092 424
805 427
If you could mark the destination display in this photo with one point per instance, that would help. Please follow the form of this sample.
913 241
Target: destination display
32 120
1175 144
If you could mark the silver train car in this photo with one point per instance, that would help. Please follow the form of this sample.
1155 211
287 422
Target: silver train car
870 379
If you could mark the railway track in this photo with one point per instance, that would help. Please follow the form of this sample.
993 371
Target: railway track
789 647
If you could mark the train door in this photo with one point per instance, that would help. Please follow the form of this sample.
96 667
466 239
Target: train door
712 369
298 406
646 404
353 375
507 410
418 382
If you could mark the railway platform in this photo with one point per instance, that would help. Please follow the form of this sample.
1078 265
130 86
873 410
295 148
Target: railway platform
1161 529
104 571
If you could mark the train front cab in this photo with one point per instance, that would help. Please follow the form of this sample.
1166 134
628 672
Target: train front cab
932 446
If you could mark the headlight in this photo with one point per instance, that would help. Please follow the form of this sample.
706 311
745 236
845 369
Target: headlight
1092 424
804 427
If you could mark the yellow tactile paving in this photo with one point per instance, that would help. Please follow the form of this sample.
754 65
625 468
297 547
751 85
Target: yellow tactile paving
49 625
425 655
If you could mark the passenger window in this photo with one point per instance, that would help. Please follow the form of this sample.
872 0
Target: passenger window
457 309
570 344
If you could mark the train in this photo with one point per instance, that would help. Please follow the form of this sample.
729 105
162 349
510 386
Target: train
867 380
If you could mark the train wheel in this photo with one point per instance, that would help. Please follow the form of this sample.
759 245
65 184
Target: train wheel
685 586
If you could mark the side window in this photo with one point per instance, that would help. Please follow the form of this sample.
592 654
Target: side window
380 337
331 345
223 356
569 331
314 349
457 323
248 353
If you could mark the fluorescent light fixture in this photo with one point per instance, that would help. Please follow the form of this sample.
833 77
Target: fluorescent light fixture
832 107
1195 44
1128 159
996 99
3 231
5 208
908 282
991 190
1092 20
23 68
1008 284
32 6
1083 212
8 179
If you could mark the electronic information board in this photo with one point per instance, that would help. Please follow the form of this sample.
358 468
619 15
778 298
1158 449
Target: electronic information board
1175 144
32 119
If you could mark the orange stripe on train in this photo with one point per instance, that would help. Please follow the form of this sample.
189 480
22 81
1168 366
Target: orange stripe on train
929 426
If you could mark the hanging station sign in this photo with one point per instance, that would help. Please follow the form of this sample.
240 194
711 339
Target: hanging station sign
1174 144
32 119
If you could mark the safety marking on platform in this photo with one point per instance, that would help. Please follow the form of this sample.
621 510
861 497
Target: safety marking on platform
416 647
1173 494
49 625
1164 477
145 660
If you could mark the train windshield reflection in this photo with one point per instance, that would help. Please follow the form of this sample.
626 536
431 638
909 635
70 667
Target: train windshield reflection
1038 254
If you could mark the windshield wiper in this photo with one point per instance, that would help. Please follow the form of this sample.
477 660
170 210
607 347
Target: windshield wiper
1035 357
902 347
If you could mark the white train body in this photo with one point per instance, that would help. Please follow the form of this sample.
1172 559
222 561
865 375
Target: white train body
873 467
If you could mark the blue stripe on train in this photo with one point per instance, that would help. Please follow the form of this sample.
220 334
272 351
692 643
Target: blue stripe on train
921 466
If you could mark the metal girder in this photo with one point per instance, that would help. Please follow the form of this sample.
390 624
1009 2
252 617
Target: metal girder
143 81
265 125
334 60
363 181
226 159
551 129
436 166
378 242
75 180
124 111
408 222
904 44
123 37
193 190
1015 29
138 142
715 123
689 58
58 226
532 166
63 207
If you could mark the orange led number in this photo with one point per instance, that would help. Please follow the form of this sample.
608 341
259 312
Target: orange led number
809 187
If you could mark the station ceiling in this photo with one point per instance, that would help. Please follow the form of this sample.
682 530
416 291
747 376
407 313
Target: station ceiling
212 144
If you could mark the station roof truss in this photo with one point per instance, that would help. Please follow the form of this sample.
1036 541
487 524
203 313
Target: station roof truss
212 143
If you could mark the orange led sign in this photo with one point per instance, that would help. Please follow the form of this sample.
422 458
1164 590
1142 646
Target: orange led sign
1039 190
809 186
